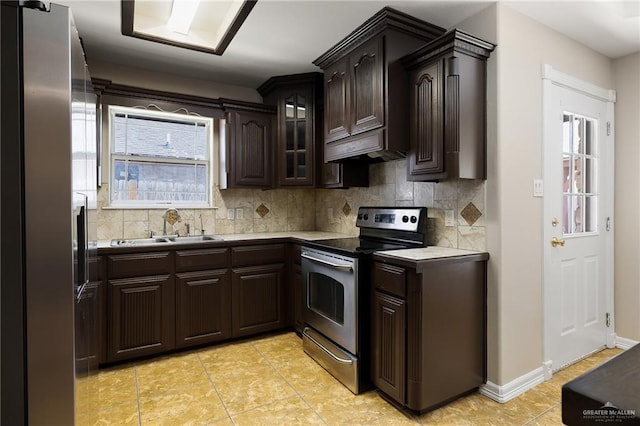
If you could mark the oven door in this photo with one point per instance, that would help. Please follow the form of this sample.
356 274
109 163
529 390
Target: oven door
330 302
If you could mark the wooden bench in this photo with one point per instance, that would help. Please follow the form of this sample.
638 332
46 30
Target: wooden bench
609 393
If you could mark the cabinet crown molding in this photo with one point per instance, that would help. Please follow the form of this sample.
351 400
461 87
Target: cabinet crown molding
386 19
218 106
453 40
287 81
234 105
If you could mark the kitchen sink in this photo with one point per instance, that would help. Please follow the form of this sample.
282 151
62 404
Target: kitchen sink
162 240
195 239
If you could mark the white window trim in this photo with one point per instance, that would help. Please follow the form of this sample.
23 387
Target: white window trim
159 113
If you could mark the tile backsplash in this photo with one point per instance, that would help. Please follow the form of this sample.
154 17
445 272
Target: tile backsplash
389 187
254 210
237 211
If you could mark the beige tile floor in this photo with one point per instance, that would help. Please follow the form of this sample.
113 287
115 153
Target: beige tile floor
271 381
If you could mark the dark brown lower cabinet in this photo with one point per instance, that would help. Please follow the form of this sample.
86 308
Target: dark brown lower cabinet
429 328
141 316
257 295
158 301
389 325
203 307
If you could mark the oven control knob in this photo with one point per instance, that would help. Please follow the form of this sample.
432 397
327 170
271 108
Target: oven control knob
405 219
366 216
414 219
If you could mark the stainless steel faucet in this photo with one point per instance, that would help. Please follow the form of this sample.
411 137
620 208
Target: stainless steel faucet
172 216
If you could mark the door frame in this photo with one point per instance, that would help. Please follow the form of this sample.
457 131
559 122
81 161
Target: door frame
550 78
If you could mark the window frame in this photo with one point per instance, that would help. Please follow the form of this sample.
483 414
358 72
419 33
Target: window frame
158 113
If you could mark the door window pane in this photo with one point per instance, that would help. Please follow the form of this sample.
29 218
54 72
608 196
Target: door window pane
579 174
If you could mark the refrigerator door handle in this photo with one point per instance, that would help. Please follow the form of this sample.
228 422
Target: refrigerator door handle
83 243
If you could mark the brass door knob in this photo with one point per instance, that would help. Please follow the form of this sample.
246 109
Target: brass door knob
557 242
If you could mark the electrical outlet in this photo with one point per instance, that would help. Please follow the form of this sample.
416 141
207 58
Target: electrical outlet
448 218
239 213
330 215
231 214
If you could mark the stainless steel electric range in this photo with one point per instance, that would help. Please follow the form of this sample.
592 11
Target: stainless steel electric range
337 290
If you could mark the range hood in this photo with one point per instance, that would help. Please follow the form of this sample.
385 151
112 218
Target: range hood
366 88
370 146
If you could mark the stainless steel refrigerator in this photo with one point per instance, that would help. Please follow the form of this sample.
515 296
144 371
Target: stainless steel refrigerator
47 214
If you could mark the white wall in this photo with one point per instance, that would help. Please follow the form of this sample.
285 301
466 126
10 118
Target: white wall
484 25
626 75
514 216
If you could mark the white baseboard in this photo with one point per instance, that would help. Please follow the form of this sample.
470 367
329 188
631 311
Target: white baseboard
625 344
514 388
506 392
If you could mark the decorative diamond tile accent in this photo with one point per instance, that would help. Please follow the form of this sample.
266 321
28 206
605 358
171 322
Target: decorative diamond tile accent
470 213
262 210
346 209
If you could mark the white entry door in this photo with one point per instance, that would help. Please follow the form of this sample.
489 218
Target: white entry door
578 210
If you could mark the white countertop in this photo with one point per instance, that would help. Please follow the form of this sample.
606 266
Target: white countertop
426 253
302 235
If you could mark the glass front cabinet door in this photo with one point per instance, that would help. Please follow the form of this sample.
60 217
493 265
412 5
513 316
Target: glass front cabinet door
299 120
295 153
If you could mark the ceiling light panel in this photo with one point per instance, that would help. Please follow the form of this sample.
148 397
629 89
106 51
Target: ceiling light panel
182 14
206 26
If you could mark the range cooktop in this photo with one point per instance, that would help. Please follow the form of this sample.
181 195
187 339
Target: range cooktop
381 228
355 246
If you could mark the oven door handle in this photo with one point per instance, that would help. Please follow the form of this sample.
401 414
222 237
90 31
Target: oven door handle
327 351
346 266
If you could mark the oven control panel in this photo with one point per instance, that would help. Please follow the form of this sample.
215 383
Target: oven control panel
398 218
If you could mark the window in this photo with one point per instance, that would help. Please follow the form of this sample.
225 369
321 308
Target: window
579 174
159 159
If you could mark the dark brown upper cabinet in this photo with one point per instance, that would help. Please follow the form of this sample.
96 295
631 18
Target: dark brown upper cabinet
249 147
366 100
299 150
336 87
447 81
367 77
295 97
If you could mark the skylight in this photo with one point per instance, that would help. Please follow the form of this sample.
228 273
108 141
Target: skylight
206 26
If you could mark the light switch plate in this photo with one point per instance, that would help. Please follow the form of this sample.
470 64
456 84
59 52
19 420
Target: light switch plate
538 188
239 213
231 214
